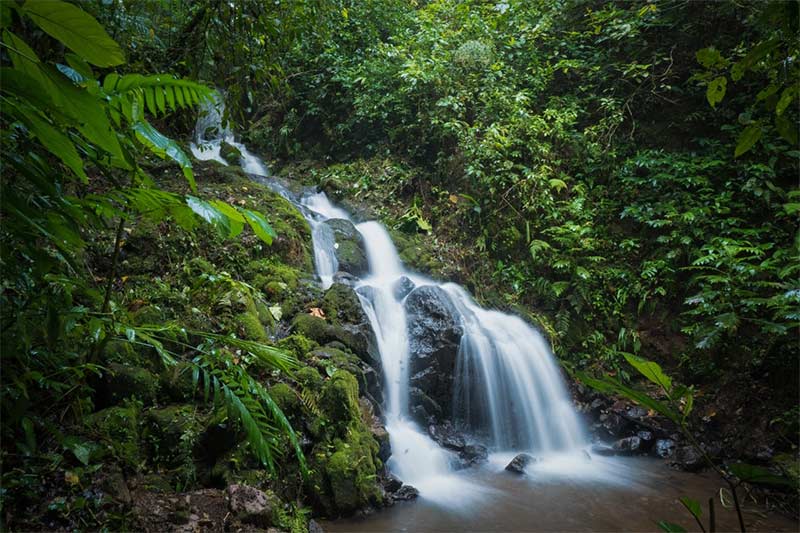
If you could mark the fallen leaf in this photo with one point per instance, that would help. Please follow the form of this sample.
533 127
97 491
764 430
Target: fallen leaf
71 478
317 312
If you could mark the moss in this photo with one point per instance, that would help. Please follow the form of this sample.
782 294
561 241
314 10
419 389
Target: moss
298 345
172 433
265 315
351 471
230 153
340 399
309 378
286 398
120 351
118 428
238 465
341 304
149 314
176 383
312 327
275 289
251 328
124 381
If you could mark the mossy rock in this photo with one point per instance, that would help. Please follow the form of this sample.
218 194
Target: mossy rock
312 327
238 465
286 399
351 472
341 304
148 314
172 435
309 378
350 249
230 153
120 351
118 428
323 332
340 399
297 344
250 327
124 381
176 383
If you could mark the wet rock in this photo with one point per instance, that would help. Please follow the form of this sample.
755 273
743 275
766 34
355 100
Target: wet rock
586 455
519 463
688 458
402 287
664 448
230 153
434 336
350 249
124 381
759 453
627 446
473 454
345 278
647 439
636 412
405 493
614 425
446 436
423 406
250 505
392 483
602 449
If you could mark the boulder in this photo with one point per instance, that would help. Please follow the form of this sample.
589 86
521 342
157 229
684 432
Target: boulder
627 446
345 278
473 454
406 492
314 527
519 463
664 448
250 505
647 439
391 483
230 153
350 249
402 287
602 449
434 334
446 436
688 458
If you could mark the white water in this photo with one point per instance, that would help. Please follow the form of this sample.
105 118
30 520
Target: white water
508 385
210 133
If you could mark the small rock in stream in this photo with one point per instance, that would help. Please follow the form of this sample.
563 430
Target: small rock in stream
520 462
627 446
664 448
406 492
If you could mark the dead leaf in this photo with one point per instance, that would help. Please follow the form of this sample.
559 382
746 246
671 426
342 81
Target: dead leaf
453 199
71 478
317 312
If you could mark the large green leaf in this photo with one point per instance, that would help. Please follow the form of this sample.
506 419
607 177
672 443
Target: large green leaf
236 220
78 30
260 225
669 527
757 474
715 91
609 385
210 214
747 139
650 370
165 147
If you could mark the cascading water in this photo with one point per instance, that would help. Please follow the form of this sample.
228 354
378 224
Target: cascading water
210 133
507 384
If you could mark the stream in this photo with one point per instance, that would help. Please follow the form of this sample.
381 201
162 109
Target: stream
508 396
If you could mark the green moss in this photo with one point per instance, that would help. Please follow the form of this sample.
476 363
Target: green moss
176 383
265 315
298 345
118 428
351 473
251 328
124 381
120 351
230 153
286 398
312 327
341 304
172 434
149 314
340 399
309 378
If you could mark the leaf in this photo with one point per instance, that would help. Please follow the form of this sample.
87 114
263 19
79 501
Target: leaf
786 129
715 91
650 370
259 225
669 527
693 506
210 214
317 312
76 29
165 147
748 138
236 220
609 385
786 98
757 474
82 450
710 57
52 139
557 184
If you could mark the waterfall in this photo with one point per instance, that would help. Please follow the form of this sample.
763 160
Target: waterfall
507 385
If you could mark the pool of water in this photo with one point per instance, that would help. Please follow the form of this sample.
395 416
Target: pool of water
568 493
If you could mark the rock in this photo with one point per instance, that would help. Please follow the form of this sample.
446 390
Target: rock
647 439
615 426
473 454
230 153
627 446
342 307
392 483
664 448
586 455
636 412
519 463
434 335
402 287
602 449
423 406
345 278
314 527
250 505
688 458
350 249
406 492
124 381
446 436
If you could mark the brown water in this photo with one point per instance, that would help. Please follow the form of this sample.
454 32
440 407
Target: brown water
606 494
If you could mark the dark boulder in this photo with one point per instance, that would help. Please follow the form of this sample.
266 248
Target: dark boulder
406 492
434 335
446 436
402 287
473 454
688 458
391 483
664 448
647 439
350 249
345 279
628 446
519 463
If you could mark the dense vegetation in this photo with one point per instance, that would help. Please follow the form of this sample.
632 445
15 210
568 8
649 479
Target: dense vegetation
623 174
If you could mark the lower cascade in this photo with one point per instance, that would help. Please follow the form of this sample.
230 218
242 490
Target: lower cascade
457 377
